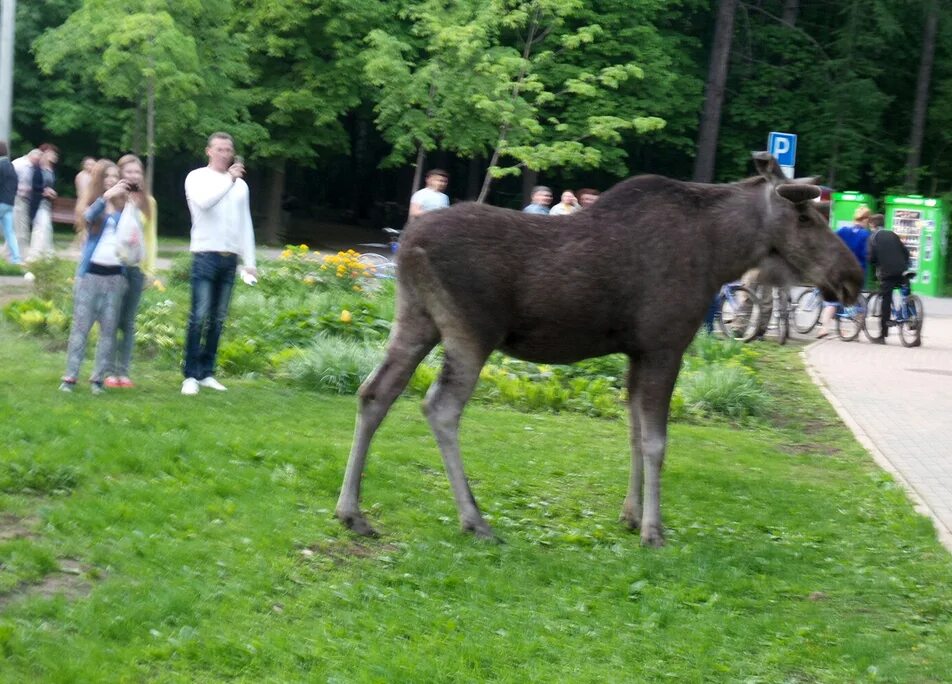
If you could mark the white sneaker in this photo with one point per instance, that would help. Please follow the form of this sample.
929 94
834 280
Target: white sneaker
212 383
190 386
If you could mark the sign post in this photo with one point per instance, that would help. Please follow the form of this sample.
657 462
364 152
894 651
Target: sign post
783 146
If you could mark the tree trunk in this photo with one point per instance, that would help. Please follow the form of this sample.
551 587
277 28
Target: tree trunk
921 106
418 171
150 133
791 10
714 92
472 177
530 179
274 233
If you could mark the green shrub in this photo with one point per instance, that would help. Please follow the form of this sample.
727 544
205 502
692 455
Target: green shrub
28 477
729 390
160 325
54 279
180 271
8 269
333 364
242 356
38 317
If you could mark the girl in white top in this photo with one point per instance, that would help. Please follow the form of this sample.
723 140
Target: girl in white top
568 205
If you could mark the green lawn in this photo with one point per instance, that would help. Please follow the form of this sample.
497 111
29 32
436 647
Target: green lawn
200 544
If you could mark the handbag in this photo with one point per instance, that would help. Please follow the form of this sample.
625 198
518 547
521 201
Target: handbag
129 236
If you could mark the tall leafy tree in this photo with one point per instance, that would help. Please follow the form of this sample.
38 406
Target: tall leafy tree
307 60
166 68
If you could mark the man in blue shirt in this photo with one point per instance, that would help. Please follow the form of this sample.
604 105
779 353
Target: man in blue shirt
856 238
541 200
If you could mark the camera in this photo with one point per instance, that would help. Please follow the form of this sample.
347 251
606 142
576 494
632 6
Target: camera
133 187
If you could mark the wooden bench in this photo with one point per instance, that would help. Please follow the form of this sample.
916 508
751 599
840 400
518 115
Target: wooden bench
64 210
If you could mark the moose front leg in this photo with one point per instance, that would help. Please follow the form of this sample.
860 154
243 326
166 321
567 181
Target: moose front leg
652 383
410 343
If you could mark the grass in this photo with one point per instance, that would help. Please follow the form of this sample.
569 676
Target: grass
203 535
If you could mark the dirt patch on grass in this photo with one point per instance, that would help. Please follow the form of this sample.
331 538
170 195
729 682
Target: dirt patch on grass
14 527
341 551
71 582
813 449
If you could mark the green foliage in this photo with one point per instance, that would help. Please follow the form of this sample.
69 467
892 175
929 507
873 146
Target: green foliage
38 316
28 477
8 269
54 278
333 364
731 391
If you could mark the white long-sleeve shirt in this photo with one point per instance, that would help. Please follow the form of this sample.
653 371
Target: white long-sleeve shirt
221 214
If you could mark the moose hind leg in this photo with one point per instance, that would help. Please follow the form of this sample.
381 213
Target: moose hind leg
631 508
376 395
444 408
656 375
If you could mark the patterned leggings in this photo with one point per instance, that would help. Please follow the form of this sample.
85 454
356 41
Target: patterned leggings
96 298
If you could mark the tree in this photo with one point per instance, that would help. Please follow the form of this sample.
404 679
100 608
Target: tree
714 92
307 60
921 106
505 78
171 61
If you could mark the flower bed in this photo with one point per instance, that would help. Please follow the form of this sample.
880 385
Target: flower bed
322 320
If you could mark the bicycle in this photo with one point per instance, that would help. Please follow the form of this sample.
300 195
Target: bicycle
850 319
807 310
738 312
908 316
384 266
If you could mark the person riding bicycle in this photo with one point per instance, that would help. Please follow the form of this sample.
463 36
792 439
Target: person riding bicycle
856 238
889 257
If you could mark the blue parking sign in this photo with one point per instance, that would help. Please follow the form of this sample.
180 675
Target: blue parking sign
783 146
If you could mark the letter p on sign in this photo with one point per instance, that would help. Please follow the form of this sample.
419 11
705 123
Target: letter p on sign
783 146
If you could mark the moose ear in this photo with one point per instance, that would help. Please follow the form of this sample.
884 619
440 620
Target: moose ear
797 193
768 167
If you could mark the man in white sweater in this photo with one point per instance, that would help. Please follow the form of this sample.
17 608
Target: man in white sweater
221 233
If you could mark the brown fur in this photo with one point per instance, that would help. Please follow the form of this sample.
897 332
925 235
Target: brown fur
633 274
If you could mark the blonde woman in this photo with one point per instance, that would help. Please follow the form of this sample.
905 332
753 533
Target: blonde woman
132 173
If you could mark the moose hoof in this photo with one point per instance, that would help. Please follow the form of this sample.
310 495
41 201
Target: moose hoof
629 520
357 523
481 531
652 537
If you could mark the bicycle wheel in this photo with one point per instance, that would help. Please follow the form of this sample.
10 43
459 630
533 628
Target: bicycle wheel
849 321
910 329
740 314
873 325
806 310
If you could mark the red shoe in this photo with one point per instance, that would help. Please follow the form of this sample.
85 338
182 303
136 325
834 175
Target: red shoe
125 382
112 382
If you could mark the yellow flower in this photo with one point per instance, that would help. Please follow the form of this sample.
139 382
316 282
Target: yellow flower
345 316
157 284
303 248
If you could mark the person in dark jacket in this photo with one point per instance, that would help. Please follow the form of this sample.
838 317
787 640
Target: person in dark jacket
890 259
8 193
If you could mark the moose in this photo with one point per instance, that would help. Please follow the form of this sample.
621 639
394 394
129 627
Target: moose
633 274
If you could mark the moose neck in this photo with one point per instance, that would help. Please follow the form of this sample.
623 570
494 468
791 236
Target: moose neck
739 231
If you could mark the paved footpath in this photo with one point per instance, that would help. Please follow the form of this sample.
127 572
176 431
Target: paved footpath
898 402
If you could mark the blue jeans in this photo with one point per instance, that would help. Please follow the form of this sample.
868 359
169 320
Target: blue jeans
213 277
126 327
9 236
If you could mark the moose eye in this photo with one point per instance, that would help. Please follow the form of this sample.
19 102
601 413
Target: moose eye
803 218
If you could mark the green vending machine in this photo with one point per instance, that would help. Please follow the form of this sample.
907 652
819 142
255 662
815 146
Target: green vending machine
842 206
922 223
